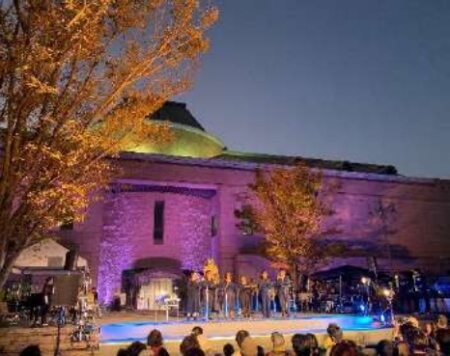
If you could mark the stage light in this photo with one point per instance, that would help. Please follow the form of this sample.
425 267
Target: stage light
388 293
362 307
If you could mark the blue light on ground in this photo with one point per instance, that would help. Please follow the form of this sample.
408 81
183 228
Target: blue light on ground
176 330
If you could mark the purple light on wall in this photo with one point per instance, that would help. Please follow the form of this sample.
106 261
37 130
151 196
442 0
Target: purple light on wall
116 245
195 227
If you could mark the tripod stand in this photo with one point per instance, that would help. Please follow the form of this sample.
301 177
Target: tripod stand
60 322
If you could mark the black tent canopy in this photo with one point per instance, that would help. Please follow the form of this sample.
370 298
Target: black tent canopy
347 272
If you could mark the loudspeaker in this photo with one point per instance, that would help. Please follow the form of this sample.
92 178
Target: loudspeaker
71 260
66 290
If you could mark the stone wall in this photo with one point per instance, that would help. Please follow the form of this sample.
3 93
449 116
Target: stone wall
128 234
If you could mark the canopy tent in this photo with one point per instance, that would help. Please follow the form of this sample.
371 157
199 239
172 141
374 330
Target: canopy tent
346 272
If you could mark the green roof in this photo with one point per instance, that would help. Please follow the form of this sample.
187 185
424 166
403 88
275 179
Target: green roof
311 162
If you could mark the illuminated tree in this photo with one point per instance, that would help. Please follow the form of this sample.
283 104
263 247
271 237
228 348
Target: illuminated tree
77 79
289 206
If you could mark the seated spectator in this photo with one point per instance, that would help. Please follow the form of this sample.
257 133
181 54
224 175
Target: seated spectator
441 322
385 348
413 321
418 342
443 340
205 345
278 345
406 332
31 350
334 336
247 346
402 349
344 348
228 349
155 343
240 336
312 344
122 352
194 351
299 345
189 342
135 348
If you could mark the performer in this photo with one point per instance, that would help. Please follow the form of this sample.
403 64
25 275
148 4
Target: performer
283 285
227 296
265 287
193 296
209 291
47 294
245 291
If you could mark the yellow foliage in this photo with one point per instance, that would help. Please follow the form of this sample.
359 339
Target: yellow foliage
77 81
289 208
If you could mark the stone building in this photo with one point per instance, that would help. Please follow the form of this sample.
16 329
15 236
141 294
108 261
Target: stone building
173 206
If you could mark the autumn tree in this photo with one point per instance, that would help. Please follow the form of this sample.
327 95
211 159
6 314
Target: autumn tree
77 80
289 207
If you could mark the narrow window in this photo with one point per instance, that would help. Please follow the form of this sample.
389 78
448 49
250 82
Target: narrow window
158 223
214 225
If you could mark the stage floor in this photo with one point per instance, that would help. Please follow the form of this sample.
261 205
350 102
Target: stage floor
362 329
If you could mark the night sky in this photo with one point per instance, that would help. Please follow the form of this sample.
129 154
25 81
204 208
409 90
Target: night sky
357 80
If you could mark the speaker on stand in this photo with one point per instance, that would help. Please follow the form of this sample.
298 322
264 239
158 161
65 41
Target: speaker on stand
71 260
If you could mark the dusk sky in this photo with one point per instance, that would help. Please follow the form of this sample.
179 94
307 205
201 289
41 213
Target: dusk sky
357 80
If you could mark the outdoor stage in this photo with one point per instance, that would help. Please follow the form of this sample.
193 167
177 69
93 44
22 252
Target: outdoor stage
362 329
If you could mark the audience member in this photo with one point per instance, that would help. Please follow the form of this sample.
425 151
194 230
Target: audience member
418 342
344 348
240 336
385 348
401 349
334 336
189 342
31 350
228 349
155 343
247 346
441 322
205 345
443 340
278 345
135 348
122 352
194 351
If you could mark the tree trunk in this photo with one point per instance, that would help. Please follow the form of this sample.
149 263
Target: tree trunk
294 276
6 268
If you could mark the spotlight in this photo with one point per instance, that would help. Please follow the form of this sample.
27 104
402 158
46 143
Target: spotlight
388 293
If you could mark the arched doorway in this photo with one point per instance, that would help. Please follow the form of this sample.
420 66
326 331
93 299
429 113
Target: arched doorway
151 281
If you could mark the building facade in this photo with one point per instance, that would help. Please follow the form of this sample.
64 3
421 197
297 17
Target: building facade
173 206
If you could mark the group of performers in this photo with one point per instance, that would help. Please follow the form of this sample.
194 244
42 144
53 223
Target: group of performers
207 294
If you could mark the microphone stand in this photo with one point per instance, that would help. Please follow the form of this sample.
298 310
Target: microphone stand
60 321
226 302
207 302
